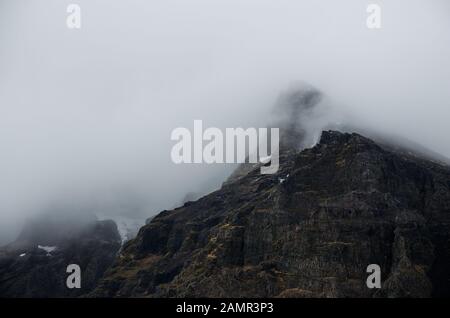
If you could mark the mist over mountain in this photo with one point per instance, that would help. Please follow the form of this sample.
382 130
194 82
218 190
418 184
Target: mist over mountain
312 229
86 115
309 230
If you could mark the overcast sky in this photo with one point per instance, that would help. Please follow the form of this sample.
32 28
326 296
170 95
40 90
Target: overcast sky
86 115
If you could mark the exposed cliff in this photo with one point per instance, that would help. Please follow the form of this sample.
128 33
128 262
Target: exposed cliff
310 230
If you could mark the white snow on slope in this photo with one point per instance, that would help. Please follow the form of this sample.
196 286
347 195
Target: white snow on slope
48 249
127 227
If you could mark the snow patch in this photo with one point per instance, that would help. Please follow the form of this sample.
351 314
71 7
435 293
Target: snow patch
48 249
281 180
127 227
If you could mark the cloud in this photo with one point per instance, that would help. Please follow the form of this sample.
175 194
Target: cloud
86 115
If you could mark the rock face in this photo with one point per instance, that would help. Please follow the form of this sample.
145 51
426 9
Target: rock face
35 264
310 230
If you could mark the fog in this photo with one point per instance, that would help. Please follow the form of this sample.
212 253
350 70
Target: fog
86 114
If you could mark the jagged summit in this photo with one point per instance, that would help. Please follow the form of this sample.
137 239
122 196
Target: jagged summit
293 108
298 99
310 230
291 112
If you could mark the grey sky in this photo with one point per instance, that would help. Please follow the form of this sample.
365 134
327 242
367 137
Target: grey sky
86 115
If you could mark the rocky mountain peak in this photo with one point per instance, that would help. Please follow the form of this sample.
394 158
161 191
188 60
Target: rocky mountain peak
292 110
310 230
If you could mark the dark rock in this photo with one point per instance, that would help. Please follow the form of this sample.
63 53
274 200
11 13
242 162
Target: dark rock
29 271
344 204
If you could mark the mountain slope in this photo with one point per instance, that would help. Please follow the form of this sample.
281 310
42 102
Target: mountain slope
35 264
310 230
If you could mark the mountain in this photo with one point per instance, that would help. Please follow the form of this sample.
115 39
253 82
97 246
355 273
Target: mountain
310 230
35 264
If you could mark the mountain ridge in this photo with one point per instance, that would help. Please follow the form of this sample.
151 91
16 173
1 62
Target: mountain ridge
310 230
